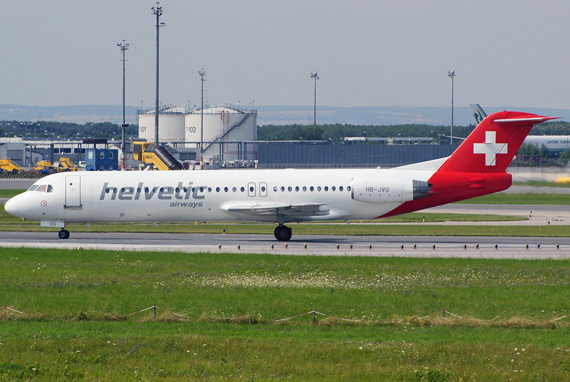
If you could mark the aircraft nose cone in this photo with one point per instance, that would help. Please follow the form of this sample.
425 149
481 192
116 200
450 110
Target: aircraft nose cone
11 206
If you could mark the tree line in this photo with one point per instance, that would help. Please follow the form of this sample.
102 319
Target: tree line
64 130
337 132
329 132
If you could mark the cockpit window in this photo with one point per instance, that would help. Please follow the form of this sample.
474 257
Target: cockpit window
41 188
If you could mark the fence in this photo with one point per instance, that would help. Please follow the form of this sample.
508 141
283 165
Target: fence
9 312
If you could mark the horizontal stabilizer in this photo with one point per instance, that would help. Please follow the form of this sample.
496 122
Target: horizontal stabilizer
534 120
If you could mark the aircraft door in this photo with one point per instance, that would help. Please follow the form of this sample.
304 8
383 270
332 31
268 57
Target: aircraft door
72 191
262 189
251 189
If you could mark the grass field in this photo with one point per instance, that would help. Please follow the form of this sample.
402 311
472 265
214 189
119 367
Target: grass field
542 183
75 303
526 198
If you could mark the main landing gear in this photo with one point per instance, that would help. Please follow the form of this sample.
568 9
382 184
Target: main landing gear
63 234
283 233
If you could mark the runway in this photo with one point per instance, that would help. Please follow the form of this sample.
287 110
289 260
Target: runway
376 246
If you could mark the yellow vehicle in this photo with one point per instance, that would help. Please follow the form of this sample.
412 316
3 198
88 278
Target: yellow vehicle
44 167
65 165
7 166
156 156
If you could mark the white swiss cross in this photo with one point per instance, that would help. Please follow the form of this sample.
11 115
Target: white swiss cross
490 148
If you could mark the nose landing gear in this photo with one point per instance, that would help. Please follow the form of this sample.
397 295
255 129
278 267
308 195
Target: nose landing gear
283 233
63 234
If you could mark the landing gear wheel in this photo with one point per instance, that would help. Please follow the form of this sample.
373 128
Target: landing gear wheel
283 233
63 234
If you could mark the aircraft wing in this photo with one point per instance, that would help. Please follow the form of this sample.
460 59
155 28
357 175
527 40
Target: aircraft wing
280 209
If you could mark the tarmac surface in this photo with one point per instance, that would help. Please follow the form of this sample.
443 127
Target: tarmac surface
379 246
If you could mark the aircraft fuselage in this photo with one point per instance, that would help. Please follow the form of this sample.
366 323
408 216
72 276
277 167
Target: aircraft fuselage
162 196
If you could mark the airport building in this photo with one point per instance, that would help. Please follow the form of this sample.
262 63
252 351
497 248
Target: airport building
324 154
27 152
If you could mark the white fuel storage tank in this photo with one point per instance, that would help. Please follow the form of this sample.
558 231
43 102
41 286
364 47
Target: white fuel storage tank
225 130
170 123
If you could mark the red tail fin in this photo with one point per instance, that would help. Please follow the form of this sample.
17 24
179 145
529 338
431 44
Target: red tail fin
492 145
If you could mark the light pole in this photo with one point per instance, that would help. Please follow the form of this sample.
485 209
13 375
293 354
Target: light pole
157 11
202 73
451 74
124 47
316 77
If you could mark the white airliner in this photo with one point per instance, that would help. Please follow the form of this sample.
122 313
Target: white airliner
476 168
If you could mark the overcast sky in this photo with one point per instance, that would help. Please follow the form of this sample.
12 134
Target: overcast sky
367 53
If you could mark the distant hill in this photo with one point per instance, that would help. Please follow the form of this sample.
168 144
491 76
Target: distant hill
76 114
278 115
385 115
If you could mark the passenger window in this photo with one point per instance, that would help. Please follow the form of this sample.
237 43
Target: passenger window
326 188
333 188
348 188
304 188
319 188
312 188
290 188
274 188
234 189
297 188
340 188
225 189
217 189
242 189
282 188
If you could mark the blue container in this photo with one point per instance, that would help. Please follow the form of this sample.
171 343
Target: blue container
102 160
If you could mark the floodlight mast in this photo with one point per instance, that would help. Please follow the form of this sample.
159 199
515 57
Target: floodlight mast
451 74
202 74
157 11
124 47
316 77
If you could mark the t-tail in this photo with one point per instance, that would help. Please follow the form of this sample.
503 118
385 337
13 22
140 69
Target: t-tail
478 113
478 166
